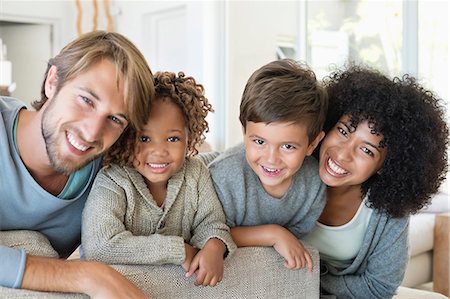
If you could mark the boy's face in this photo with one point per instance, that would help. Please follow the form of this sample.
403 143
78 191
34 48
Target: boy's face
162 146
84 118
276 152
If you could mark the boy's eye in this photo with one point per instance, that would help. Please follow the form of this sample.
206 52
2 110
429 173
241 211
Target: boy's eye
173 139
144 139
288 147
367 151
258 141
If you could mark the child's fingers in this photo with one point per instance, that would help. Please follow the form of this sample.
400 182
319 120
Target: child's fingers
298 262
309 261
214 281
289 262
193 267
200 278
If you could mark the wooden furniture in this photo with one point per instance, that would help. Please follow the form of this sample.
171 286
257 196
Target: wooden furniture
441 263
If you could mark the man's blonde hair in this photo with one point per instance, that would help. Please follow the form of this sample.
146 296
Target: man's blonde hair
79 55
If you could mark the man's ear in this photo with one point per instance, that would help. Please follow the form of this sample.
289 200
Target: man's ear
51 82
312 146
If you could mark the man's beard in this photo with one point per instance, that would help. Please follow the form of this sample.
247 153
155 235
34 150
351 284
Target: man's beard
64 166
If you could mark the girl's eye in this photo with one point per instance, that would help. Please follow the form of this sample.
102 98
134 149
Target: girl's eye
288 147
173 139
144 139
258 141
367 151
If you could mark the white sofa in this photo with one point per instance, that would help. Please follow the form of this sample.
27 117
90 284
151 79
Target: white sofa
420 267
251 272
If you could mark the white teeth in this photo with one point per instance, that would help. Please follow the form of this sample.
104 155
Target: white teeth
153 165
75 144
273 170
336 168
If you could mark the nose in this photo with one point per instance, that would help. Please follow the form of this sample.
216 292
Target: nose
94 129
158 148
272 155
344 151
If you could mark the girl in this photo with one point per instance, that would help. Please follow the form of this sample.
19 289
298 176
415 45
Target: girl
383 156
154 203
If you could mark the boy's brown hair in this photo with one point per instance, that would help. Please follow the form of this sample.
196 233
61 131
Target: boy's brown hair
189 96
285 91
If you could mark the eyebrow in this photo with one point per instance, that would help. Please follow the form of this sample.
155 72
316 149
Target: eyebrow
94 95
365 141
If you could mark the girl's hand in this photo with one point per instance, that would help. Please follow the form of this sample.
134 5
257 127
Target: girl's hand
190 253
208 264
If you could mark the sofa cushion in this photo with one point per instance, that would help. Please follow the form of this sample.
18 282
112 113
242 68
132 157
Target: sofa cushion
421 233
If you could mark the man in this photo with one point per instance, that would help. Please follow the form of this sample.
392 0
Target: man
95 88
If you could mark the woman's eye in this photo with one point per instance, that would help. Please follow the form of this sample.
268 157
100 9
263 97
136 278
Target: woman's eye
173 139
367 151
144 139
342 131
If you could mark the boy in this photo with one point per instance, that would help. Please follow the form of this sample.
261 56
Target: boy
270 187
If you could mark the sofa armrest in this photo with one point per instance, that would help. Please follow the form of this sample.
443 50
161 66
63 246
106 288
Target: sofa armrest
441 254
251 272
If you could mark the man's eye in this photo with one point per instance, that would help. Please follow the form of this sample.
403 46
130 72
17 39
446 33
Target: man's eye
258 141
116 120
144 139
173 139
87 100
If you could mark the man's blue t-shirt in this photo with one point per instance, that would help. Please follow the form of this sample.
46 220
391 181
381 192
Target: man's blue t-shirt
25 205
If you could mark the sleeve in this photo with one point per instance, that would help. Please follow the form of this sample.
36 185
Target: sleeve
384 270
12 266
105 237
209 220
307 219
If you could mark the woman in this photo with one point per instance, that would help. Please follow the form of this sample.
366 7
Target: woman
384 155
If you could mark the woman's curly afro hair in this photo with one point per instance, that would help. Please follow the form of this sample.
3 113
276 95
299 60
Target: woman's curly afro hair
188 96
411 120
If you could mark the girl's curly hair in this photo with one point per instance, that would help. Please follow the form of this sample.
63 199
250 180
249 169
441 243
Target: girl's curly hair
186 94
410 118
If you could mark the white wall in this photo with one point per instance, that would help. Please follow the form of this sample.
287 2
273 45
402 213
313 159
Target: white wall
253 28
33 32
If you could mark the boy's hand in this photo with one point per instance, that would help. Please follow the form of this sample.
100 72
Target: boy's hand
289 247
190 253
208 263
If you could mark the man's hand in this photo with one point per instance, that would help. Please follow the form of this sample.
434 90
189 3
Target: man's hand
289 247
190 253
95 279
208 263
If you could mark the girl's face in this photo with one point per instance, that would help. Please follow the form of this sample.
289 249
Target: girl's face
350 156
162 145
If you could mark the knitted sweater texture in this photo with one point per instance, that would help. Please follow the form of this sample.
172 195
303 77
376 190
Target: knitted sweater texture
122 224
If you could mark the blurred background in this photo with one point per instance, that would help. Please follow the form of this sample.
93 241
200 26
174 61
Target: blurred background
221 43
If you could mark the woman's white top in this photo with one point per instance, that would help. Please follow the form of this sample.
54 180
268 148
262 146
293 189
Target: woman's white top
339 245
